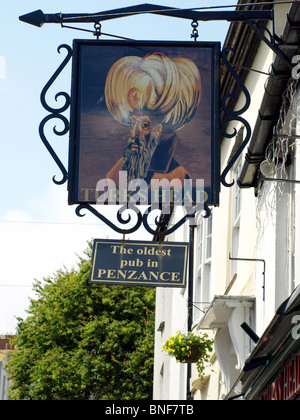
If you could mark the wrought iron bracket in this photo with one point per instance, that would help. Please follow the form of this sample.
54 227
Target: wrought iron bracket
161 224
38 18
56 114
271 43
234 115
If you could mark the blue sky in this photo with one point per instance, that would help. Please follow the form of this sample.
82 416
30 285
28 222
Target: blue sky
39 232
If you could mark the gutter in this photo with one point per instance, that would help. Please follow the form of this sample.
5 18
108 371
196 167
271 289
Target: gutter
245 43
269 111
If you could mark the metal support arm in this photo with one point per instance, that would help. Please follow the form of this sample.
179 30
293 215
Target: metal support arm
270 43
264 272
38 18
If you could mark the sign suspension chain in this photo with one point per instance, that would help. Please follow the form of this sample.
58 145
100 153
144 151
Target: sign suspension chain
97 32
195 33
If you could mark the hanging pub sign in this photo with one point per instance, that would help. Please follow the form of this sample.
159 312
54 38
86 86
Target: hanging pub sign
144 123
134 263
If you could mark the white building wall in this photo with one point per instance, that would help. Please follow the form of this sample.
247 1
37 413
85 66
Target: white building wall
170 378
277 213
265 232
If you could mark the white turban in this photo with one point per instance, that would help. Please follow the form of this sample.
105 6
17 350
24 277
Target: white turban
169 89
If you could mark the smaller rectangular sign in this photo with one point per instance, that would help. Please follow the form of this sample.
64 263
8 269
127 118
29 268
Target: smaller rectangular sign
134 263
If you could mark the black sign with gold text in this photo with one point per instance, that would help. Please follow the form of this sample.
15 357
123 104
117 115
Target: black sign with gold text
134 263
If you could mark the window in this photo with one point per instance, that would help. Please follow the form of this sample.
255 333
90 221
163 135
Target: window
237 194
209 238
236 215
203 248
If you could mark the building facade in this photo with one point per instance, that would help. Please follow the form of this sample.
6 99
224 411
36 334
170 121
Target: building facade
5 349
247 254
4 382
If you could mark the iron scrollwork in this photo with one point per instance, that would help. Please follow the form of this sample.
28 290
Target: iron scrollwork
161 223
234 115
56 114
120 218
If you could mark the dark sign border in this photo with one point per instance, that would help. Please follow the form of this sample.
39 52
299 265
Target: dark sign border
75 143
171 263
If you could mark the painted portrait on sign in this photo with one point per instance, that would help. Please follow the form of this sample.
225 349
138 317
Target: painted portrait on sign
149 111
155 96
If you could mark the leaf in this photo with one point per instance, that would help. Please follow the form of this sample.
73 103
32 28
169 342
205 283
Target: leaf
82 342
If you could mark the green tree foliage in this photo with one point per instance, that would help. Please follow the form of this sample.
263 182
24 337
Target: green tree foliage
84 342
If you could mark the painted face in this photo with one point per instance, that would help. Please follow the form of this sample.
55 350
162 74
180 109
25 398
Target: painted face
140 129
141 146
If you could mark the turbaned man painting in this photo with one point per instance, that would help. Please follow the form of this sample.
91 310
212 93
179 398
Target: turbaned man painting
155 96
144 114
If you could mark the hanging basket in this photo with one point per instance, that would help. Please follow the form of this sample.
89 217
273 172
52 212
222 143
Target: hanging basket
190 348
196 354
